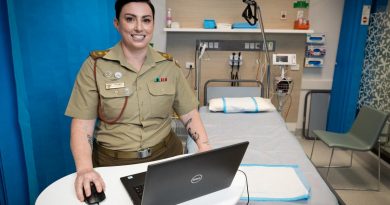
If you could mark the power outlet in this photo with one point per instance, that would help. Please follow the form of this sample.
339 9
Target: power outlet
283 15
295 67
190 65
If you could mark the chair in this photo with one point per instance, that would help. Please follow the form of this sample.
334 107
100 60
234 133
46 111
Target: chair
363 136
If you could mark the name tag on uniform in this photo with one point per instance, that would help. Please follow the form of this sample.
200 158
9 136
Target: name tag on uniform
114 85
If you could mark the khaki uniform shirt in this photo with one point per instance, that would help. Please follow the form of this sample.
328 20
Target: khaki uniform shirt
154 92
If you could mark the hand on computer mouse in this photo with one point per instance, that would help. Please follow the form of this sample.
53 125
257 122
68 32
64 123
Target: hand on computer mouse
95 196
83 180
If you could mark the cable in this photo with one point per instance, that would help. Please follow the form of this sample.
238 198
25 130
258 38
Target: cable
238 68
289 106
195 64
189 72
261 67
247 186
232 66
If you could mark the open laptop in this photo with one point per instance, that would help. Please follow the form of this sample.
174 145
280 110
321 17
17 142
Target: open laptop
186 178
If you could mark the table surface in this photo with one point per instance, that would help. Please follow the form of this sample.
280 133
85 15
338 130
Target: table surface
62 191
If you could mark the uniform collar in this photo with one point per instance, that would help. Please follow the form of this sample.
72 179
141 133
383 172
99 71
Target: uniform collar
116 54
152 57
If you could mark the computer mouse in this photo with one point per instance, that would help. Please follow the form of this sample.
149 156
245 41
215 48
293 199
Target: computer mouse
95 196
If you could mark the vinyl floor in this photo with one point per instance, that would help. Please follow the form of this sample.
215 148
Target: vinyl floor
362 174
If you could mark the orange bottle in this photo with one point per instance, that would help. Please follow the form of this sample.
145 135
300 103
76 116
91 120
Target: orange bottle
301 23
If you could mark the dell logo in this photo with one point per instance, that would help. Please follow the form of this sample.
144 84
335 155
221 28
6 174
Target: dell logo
197 178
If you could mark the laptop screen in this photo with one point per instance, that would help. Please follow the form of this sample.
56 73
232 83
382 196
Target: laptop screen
182 179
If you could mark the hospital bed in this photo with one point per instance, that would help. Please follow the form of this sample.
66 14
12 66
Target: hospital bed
270 141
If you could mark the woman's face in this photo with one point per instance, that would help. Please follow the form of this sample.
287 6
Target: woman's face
135 25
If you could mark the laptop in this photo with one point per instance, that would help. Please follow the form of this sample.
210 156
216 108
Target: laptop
182 179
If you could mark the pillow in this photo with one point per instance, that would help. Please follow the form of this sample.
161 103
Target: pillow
242 104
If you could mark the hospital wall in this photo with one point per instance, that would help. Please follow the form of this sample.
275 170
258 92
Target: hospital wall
325 16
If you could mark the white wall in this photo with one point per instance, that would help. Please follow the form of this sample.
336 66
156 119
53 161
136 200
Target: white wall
159 36
325 17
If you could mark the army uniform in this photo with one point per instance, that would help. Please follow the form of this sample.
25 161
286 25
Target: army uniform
134 108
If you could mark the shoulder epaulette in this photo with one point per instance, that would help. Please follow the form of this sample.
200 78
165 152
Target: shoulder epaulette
166 56
169 58
98 54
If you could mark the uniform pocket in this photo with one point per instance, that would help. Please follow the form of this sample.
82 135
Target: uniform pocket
162 95
113 101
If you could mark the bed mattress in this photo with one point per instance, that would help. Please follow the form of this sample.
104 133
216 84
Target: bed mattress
270 143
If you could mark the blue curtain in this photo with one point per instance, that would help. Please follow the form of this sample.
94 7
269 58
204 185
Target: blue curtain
348 70
379 6
49 41
12 166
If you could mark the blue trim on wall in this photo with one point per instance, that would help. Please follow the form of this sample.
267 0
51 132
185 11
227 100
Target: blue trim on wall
14 174
348 70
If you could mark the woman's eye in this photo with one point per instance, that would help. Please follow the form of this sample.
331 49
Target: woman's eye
147 20
129 19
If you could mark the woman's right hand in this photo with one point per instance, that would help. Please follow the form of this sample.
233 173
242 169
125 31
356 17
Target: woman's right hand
84 179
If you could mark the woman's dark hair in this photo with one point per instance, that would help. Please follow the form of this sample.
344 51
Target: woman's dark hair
120 3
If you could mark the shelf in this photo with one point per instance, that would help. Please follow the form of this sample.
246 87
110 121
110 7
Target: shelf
202 30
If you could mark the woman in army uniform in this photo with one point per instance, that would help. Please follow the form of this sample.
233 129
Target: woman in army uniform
132 90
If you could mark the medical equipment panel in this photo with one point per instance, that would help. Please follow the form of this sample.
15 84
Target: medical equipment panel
284 59
236 45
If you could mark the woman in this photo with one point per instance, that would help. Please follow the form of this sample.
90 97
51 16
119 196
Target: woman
133 90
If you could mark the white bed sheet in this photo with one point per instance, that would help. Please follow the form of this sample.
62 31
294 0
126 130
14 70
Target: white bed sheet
270 143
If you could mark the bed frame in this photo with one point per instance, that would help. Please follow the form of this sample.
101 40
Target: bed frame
270 141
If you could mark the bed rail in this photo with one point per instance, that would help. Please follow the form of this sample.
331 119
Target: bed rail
306 114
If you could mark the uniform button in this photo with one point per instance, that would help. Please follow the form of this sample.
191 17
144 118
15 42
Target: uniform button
118 75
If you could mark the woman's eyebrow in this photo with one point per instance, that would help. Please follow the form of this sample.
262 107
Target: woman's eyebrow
129 14
133 15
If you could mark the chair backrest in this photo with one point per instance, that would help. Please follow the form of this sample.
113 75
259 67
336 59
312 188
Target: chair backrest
368 125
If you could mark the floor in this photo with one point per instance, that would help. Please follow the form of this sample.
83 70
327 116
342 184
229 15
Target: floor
362 174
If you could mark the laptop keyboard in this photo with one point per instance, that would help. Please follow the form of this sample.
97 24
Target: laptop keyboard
139 190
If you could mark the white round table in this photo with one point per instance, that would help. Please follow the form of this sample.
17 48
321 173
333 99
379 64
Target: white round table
62 192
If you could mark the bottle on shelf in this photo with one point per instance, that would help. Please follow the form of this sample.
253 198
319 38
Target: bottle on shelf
169 18
301 22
